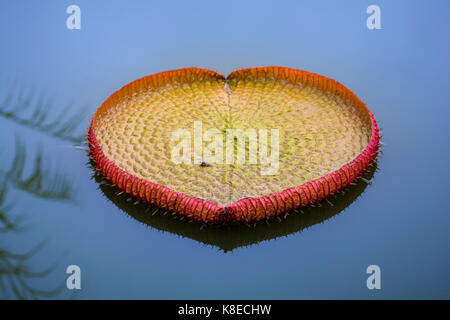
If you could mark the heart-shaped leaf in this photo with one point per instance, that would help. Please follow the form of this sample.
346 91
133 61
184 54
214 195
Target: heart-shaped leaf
254 145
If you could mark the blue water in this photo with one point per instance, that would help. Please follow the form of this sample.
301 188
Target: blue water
52 78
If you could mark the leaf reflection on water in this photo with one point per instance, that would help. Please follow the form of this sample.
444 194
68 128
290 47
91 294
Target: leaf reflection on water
15 269
41 181
230 237
34 113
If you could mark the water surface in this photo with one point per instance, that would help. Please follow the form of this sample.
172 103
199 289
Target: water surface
54 212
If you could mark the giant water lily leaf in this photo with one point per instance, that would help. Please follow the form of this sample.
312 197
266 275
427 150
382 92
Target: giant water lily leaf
254 145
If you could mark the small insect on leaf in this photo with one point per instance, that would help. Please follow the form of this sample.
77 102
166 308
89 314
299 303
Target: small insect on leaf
204 164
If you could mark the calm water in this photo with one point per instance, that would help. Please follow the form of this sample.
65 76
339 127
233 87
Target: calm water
55 213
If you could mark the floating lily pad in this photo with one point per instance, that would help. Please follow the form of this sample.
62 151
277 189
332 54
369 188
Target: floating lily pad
312 137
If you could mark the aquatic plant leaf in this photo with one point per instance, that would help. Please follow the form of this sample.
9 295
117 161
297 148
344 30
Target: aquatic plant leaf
327 139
